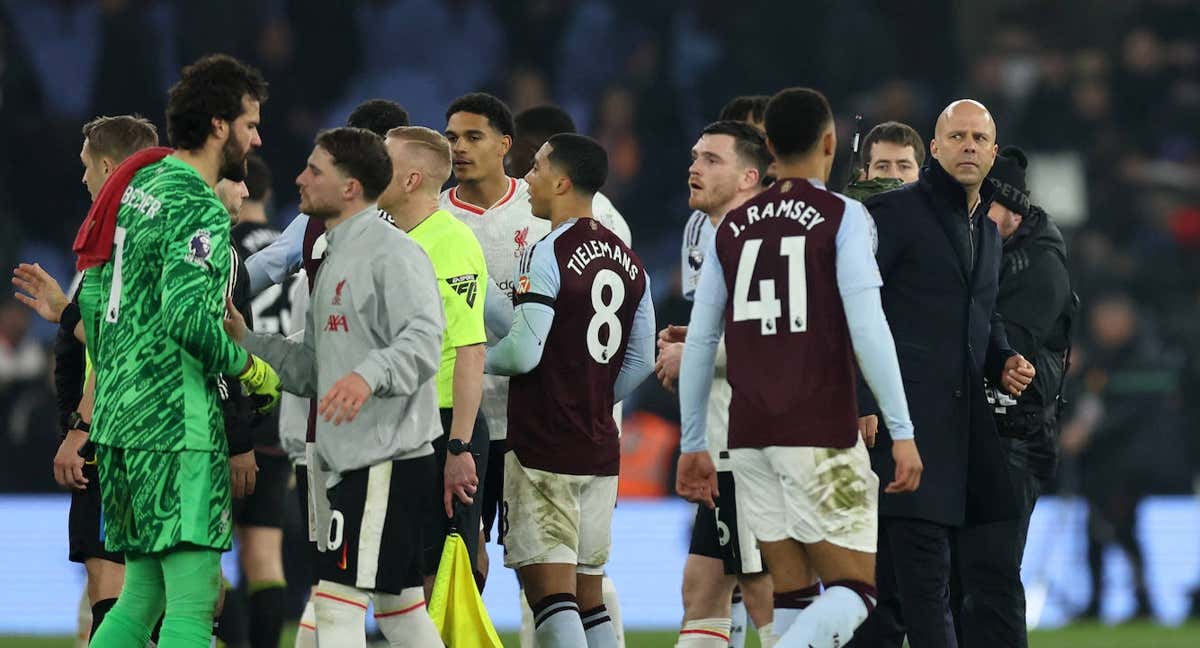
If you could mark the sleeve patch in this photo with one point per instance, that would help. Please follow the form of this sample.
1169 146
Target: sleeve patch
467 286
199 248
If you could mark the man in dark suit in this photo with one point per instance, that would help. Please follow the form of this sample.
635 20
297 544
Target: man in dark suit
940 258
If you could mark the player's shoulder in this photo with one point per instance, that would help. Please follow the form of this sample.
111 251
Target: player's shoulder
252 237
443 235
693 230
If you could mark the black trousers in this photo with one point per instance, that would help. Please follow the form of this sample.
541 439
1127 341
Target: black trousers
913 578
467 522
989 605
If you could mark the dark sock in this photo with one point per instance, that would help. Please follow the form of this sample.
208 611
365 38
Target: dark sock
266 614
100 609
232 627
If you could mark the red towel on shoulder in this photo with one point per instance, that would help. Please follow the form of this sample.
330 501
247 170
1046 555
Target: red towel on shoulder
94 242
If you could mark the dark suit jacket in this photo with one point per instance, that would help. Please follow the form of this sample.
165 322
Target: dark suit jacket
941 315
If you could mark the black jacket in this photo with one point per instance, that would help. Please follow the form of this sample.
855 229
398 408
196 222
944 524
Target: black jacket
940 308
1037 307
69 372
240 418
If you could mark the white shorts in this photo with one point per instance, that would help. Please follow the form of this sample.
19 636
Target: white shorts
809 495
555 518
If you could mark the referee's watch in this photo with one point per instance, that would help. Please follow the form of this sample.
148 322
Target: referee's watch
75 422
457 447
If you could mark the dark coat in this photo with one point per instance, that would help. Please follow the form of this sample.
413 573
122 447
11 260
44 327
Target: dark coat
1037 307
940 309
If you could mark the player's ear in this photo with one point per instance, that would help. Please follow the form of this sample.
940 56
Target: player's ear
505 144
933 147
829 143
220 127
750 178
563 185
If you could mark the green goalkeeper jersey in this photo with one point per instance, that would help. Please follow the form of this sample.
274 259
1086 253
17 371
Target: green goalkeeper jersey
153 316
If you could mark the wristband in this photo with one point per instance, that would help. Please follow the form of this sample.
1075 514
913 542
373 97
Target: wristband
69 318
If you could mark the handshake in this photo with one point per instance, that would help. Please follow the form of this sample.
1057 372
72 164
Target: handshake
260 383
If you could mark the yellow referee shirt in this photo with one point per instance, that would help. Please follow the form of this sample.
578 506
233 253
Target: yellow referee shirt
462 279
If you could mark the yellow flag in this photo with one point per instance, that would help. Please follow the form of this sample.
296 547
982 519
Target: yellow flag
455 605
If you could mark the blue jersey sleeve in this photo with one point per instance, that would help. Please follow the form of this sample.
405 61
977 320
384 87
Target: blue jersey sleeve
856 266
639 352
279 260
705 328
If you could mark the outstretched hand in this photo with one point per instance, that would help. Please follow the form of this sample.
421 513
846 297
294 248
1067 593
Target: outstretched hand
41 292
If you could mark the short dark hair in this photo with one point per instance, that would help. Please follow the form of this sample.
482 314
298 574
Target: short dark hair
745 108
360 154
258 178
120 136
795 119
481 103
378 116
896 133
544 121
582 158
748 142
211 87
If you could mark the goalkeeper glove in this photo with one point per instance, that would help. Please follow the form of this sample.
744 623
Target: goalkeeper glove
260 383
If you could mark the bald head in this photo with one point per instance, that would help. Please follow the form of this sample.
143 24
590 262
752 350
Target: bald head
964 143
963 109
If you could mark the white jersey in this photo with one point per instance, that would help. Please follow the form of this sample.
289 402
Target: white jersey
504 231
696 235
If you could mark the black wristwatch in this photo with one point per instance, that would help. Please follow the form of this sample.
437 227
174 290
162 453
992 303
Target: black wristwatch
75 422
457 447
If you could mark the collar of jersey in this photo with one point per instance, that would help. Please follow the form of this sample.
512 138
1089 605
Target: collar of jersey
462 204
351 227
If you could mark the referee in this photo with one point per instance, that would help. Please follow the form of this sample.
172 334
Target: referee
420 166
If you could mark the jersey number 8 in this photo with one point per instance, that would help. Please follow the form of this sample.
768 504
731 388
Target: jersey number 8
606 315
767 309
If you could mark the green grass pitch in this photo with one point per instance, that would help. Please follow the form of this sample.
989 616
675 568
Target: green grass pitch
1131 635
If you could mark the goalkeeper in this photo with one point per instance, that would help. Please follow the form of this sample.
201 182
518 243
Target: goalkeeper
155 249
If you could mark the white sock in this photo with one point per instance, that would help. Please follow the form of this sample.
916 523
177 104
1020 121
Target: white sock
526 633
83 621
306 632
556 622
767 637
341 615
829 622
614 610
598 628
737 621
404 621
789 605
704 633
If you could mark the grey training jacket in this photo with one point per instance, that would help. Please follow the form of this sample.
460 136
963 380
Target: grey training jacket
375 310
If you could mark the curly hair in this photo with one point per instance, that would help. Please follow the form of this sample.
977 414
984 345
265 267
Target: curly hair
211 87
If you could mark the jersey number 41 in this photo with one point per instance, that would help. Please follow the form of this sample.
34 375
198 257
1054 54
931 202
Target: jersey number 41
767 308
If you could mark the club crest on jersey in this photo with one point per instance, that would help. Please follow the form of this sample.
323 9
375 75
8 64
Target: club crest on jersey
695 258
199 248
522 285
337 293
337 323
521 238
466 285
